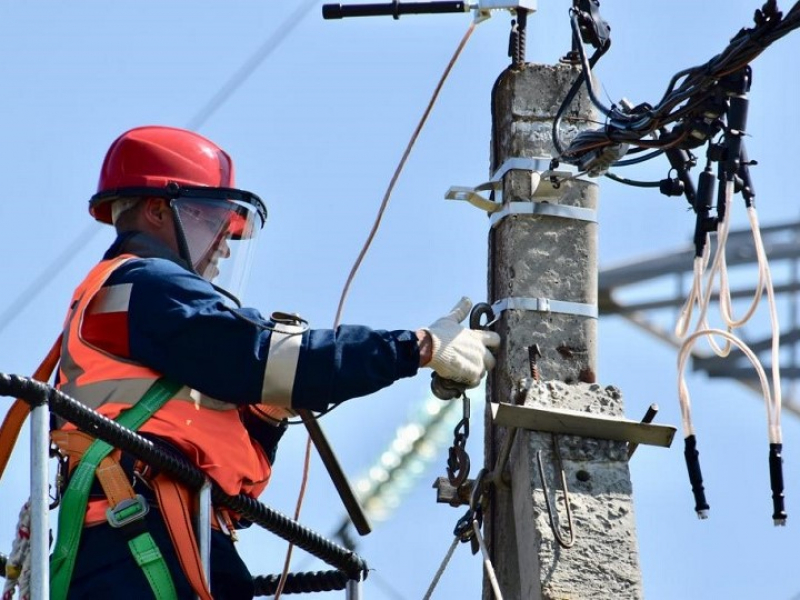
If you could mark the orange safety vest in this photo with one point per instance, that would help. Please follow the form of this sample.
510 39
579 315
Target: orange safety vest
209 432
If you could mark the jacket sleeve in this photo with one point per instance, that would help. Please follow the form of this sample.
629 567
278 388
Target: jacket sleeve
179 325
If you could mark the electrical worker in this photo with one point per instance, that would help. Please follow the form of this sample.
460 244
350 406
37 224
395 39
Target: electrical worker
156 327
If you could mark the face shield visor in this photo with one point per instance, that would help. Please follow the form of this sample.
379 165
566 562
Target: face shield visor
219 228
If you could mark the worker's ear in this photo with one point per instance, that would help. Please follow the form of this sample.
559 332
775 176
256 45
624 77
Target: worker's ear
156 212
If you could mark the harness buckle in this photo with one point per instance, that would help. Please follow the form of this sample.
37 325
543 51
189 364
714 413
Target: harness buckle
127 511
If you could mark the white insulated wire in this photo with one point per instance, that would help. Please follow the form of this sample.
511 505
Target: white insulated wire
701 295
683 392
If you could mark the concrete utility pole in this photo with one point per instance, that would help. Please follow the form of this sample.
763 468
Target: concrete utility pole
543 262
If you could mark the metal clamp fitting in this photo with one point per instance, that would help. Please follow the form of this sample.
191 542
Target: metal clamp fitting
539 165
540 171
580 309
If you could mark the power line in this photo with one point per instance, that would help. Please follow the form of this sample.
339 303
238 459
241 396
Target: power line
250 65
46 276
217 100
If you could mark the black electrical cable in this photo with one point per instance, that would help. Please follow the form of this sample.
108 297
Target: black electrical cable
633 182
689 91
587 72
573 91
638 159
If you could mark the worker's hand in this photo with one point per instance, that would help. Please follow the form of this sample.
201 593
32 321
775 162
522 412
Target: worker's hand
460 354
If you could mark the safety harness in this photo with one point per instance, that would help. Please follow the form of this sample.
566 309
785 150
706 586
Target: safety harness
127 509
89 457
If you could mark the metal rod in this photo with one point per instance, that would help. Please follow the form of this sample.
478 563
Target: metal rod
336 473
204 529
40 503
648 417
392 9
353 590
551 510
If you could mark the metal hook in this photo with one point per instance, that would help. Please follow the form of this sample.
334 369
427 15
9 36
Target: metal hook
565 490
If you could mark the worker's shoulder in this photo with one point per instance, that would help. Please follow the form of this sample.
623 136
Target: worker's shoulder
155 272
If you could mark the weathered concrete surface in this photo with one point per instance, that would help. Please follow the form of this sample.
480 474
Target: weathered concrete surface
603 563
555 258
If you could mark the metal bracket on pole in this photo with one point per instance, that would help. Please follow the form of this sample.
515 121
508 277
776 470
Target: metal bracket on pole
541 186
546 305
484 7
573 422
544 208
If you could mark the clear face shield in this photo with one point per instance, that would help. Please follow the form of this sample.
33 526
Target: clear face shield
220 228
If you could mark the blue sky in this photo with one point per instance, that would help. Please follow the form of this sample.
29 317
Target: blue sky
317 131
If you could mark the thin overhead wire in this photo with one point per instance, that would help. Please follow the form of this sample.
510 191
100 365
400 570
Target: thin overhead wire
250 65
224 93
384 203
54 268
367 244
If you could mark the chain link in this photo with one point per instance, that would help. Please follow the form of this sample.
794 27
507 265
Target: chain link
457 457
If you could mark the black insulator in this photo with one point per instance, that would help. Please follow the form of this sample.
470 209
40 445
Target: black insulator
37 393
671 187
747 189
704 223
594 30
682 162
737 122
776 482
301 583
392 9
695 476
721 191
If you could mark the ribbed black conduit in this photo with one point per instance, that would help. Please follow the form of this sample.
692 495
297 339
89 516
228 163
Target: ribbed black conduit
36 393
301 583
267 585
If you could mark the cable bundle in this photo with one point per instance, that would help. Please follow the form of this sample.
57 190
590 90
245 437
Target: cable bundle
692 100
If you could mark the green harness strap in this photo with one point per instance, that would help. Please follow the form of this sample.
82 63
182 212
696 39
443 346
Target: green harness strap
73 507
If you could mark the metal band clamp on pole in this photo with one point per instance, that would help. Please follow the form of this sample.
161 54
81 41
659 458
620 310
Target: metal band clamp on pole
544 208
546 305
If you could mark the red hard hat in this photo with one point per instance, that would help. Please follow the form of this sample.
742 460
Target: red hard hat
154 157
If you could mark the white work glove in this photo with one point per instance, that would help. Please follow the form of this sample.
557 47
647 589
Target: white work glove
460 354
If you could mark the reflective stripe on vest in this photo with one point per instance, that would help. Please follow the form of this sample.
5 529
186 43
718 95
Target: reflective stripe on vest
208 431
